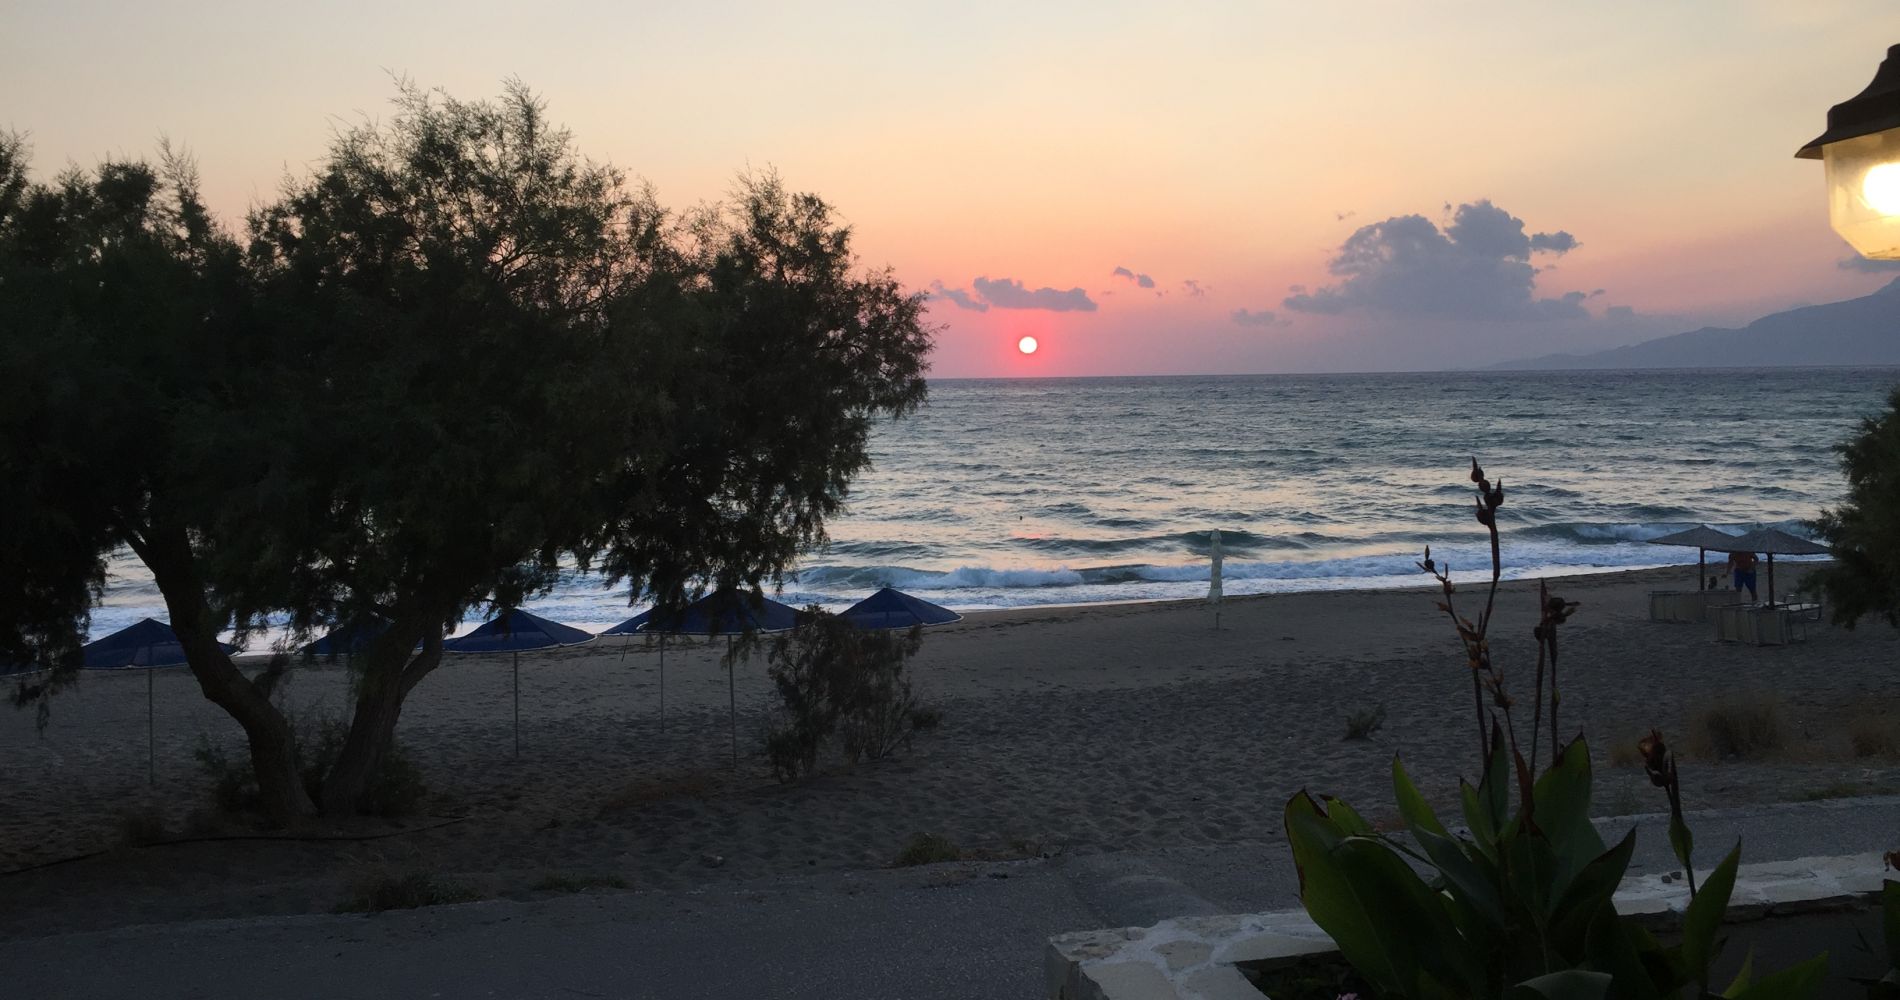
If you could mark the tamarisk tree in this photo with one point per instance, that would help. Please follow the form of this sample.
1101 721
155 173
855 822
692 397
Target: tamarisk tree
453 360
1864 529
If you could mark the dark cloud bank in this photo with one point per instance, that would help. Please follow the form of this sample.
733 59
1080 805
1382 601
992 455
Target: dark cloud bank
1477 268
1009 293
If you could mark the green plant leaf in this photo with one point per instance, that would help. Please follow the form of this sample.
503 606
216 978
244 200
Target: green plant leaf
1348 819
1570 984
1562 798
1484 832
1471 883
1418 814
1591 891
1643 970
1797 982
1681 841
1529 867
1494 789
1334 890
1742 976
1704 916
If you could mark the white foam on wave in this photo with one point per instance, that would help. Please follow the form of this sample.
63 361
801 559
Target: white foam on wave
1555 551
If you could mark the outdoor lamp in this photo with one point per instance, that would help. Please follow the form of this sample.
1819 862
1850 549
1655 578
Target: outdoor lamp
1861 151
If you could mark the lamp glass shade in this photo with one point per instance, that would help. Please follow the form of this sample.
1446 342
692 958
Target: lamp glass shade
1863 192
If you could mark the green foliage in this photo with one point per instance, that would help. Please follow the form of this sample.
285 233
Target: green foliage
1864 531
394 789
113 287
454 359
1522 904
836 680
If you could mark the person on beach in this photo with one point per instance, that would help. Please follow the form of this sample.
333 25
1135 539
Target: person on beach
1742 566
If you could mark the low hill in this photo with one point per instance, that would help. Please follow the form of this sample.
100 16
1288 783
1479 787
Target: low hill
1863 331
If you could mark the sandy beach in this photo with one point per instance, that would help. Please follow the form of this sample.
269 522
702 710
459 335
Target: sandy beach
1071 730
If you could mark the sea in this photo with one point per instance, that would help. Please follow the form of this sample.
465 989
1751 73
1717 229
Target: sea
1007 493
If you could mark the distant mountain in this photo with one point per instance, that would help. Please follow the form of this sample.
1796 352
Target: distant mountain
1863 331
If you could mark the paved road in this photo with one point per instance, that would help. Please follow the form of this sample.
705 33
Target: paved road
952 932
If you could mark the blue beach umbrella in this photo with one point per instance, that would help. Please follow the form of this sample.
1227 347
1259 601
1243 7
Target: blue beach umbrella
511 632
150 644
349 638
726 612
890 608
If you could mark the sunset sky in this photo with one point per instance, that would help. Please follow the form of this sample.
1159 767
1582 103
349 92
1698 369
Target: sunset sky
1155 188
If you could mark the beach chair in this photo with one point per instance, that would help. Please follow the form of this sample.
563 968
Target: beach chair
1759 624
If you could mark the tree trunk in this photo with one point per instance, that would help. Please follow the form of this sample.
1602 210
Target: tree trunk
167 553
387 679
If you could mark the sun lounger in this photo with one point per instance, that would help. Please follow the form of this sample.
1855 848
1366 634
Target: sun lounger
1685 605
1758 624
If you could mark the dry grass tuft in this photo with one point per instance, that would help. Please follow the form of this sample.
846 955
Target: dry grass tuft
403 890
1874 736
928 849
1741 728
141 826
1837 790
1361 724
1623 754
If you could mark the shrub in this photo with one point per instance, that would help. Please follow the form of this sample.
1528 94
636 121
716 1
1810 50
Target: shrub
1360 725
143 825
1520 902
1864 531
1837 790
395 789
1738 729
1874 737
836 680
928 849
233 785
388 890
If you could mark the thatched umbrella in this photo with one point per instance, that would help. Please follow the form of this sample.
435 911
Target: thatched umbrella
1703 538
1772 541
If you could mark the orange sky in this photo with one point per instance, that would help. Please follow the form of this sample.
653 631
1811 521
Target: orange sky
1050 144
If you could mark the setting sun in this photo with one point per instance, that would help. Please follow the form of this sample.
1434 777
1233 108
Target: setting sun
1027 345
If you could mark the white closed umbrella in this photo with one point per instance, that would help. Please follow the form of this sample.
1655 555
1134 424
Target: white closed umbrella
1213 573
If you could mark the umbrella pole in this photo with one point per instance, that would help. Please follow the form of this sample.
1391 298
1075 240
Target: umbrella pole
1701 568
732 704
151 735
662 684
1771 579
517 704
